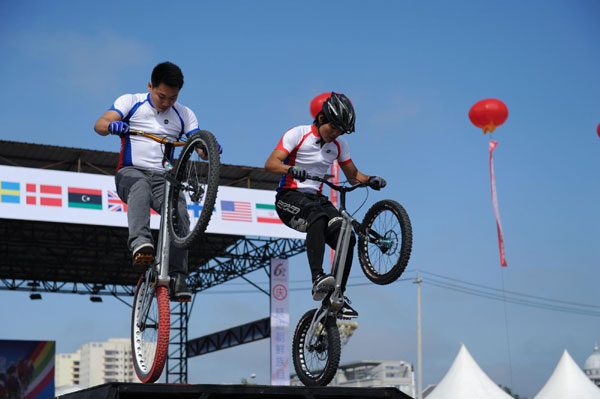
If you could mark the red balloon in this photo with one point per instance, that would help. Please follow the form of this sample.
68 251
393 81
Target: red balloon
317 103
598 129
488 114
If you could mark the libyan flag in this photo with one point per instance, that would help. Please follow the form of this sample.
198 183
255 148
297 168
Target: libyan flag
85 198
266 213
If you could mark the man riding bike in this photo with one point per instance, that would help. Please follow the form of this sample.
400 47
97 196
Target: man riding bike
141 171
310 150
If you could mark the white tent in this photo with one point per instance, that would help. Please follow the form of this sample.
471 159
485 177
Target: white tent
465 380
568 381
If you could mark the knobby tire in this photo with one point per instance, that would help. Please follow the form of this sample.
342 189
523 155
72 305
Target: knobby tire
384 264
318 366
190 174
150 346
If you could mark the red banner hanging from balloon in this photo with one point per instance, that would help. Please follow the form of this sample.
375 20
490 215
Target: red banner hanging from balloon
493 145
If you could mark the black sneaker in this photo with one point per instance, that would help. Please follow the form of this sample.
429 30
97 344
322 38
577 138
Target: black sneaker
347 311
143 256
180 292
323 285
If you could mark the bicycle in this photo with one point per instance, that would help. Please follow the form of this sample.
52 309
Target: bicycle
195 179
384 247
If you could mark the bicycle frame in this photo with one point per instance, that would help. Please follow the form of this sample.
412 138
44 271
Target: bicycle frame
158 273
333 302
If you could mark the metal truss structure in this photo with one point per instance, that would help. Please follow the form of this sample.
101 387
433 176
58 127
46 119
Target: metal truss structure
96 261
176 355
246 333
243 257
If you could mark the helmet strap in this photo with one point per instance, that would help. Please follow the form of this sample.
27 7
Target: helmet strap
318 125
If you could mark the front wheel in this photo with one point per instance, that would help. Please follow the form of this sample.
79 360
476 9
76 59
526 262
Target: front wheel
316 358
193 192
150 323
385 242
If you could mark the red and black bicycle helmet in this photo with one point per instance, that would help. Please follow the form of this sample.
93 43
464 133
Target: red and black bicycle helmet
337 109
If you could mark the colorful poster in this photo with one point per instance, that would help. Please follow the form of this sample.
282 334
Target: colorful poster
280 322
27 369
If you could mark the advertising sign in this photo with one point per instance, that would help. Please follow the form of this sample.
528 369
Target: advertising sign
85 198
27 369
280 323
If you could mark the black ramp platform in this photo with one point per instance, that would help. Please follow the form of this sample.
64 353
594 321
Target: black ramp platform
139 391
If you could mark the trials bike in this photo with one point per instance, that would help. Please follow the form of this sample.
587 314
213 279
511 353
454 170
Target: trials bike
384 240
194 179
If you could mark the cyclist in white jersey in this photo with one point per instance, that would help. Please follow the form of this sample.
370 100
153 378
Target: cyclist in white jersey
310 150
140 173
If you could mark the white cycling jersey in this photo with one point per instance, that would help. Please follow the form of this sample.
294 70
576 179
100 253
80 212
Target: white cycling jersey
304 148
140 114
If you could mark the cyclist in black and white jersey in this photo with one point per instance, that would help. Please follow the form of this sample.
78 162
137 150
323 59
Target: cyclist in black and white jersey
310 150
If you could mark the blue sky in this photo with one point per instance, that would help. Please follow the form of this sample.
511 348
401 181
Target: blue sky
413 70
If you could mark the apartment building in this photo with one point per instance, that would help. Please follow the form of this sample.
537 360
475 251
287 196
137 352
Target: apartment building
96 363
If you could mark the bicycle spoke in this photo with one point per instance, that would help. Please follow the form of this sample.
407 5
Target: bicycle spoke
197 184
383 250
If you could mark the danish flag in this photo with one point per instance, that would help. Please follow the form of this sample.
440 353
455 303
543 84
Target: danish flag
43 194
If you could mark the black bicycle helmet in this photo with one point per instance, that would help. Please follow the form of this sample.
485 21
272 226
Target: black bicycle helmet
339 110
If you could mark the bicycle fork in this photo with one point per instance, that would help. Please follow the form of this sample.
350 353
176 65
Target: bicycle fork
334 301
164 240
158 274
147 295
162 264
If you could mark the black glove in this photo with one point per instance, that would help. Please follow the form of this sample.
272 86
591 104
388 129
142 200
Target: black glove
297 173
118 128
377 182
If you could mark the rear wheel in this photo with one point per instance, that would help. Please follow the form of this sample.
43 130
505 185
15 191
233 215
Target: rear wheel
385 242
150 323
316 358
195 185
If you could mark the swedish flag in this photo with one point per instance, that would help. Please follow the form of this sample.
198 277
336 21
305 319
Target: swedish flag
10 192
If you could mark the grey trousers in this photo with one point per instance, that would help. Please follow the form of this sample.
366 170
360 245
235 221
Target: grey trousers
142 189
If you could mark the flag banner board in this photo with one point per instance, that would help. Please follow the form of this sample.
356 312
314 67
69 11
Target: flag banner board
27 369
280 322
85 198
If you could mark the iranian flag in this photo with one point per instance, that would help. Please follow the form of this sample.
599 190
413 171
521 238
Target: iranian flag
266 213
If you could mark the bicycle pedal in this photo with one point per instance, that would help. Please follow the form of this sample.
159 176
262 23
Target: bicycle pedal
181 300
142 261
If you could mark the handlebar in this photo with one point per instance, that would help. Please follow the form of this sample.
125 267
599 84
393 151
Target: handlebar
160 140
342 189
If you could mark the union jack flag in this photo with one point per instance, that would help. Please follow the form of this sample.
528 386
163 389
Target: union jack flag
114 202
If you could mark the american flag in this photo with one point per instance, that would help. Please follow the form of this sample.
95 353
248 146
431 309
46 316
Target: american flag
237 211
114 202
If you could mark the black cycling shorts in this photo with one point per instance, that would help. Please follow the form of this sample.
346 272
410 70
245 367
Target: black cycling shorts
299 210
